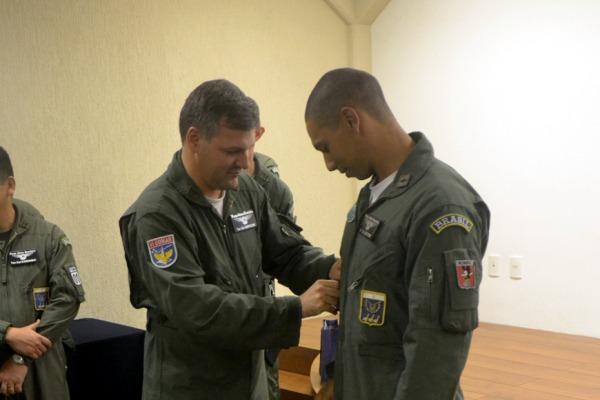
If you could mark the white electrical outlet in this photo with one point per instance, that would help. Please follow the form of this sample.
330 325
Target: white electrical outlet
494 265
516 267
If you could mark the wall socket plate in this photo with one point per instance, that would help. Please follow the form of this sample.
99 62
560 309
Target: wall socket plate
494 265
516 267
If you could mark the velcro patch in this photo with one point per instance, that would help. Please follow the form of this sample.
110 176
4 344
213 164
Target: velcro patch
75 275
243 221
41 297
369 226
465 272
372 308
22 257
449 220
163 251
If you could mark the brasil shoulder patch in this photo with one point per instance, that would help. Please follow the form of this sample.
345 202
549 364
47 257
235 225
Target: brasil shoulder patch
448 220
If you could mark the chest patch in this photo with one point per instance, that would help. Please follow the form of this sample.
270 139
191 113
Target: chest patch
22 257
372 308
163 251
465 272
41 297
369 226
243 221
449 220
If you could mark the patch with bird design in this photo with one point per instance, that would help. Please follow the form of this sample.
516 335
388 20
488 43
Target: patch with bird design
372 308
163 251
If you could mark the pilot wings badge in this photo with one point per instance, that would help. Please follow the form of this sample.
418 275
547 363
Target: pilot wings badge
372 308
163 251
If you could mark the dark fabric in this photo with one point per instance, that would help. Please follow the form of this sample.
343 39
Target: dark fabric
107 362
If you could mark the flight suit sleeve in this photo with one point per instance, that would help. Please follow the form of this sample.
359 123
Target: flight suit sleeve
66 288
444 272
176 285
289 257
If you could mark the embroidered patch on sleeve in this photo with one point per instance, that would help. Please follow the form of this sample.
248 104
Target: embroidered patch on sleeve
163 251
372 308
465 272
41 297
75 275
449 220
65 241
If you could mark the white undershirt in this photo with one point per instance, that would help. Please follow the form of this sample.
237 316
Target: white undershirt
377 189
217 203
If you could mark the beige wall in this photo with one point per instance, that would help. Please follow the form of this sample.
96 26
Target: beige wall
90 93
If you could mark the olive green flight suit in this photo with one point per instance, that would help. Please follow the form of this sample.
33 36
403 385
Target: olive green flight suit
39 280
200 276
410 284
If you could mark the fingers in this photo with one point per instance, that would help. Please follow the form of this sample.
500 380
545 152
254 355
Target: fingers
335 272
322 296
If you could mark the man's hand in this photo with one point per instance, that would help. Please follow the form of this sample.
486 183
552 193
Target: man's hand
326 392
323 295
27 342
335 272
12 377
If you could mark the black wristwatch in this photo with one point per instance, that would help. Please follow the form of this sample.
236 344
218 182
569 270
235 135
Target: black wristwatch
18 359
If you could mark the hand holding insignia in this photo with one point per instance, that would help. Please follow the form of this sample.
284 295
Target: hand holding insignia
323 295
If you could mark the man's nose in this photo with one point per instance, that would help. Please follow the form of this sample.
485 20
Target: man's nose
243 161
329 163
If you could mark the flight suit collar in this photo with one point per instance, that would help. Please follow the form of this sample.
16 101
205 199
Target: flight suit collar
412 170
182 182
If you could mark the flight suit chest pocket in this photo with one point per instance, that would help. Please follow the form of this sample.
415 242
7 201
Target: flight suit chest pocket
463 278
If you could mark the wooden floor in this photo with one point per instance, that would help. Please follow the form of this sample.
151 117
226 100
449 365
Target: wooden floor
519 364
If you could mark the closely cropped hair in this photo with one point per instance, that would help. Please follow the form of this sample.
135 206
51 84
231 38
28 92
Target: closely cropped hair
6 168
345 87
218 103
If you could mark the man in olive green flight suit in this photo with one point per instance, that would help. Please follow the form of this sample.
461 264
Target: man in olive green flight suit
411 250
265 172
196 242
40 291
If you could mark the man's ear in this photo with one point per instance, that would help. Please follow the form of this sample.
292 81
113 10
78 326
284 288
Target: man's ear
12 185
350 118
259 132
193 137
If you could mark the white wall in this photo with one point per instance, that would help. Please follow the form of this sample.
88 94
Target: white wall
508 91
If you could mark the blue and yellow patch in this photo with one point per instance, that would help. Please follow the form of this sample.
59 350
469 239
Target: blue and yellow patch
449 220
41 297
372 308
163 251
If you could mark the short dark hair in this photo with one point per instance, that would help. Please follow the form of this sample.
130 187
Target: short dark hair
218 103
6 168
345 87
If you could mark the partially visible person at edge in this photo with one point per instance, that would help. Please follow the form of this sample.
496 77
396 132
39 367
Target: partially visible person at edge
36 255
196 243
265 172
411 249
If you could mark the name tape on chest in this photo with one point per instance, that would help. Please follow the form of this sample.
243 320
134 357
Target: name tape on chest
372 308
24 257
449 220
163 251
243 221
369 226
